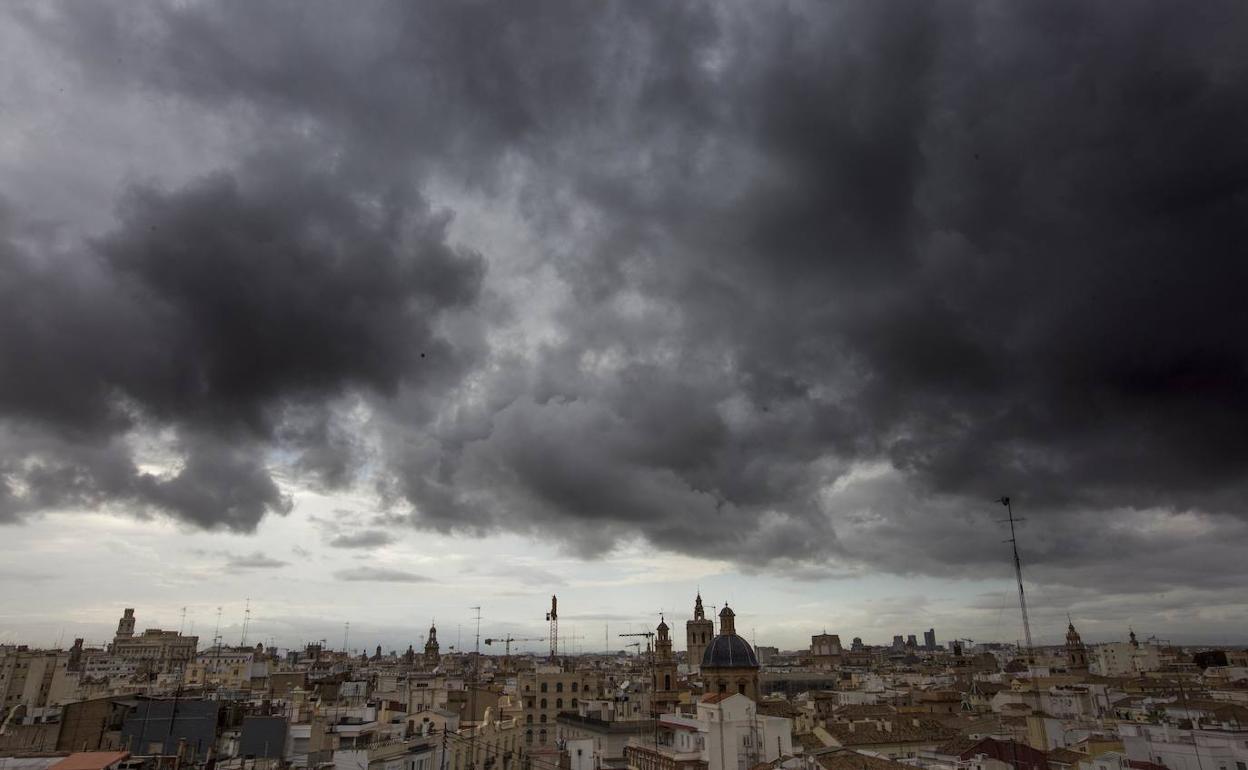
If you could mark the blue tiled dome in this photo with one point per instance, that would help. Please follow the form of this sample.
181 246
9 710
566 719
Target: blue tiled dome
729 651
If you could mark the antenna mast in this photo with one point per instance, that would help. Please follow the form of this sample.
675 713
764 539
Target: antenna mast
472 694
1018 573
246 622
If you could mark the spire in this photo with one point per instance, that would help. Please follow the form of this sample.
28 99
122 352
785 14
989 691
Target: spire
726 625
698 612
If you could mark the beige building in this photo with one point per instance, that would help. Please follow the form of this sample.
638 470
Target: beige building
33 678
1125 658
228 667
159 651
545 692
825 650
493 743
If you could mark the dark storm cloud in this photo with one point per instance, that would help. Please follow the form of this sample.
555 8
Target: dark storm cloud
831 279
234 312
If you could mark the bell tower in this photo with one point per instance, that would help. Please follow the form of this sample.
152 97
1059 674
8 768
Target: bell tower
698 634
1076 652
432 658
666 696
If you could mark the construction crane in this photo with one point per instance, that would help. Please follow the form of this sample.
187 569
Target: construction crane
648 634
553 618
506 642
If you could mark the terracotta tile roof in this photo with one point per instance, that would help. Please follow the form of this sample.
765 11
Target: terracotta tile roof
717 697
846 759
956 746
778 708
864 710
90 760
901 732
1066 756
810 741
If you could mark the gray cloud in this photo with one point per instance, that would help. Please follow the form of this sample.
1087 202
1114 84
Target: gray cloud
380 574
365 538
971 250
254 560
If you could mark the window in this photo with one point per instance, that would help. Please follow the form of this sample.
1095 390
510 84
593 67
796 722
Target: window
543 687
723 687
741 689
574 686
558 703
667 681
543 720
543 703
528 719
574 703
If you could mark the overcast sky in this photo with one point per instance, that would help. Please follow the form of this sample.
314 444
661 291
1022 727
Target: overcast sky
375 312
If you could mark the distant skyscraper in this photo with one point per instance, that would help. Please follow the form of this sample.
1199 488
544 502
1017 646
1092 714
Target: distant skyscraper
898 642
911 642
929 639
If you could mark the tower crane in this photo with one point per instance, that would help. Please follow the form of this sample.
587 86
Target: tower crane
552 617
506 642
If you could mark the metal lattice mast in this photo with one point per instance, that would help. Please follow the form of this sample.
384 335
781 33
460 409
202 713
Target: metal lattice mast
1018 574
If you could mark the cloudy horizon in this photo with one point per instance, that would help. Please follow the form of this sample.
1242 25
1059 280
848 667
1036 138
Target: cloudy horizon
375 313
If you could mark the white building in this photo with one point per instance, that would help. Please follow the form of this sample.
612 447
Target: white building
1177 749
1124 658
727 733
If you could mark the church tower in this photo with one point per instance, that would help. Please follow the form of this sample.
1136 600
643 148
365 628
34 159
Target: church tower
1076 652
666 696
698 634
432 658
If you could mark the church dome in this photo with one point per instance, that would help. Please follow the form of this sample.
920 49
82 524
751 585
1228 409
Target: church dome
729 651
